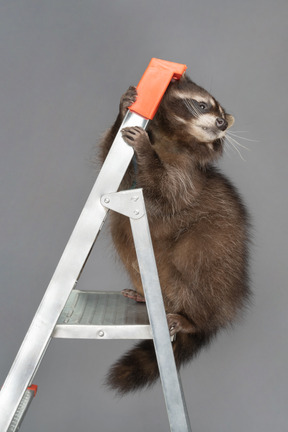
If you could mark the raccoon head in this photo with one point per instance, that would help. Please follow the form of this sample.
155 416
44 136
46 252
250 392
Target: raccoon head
190 116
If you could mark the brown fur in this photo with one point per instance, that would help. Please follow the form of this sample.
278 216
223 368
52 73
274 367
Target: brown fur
198 223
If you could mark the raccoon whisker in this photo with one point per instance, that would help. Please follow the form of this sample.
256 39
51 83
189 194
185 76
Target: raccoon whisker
236 142
191 108
226 148
238 136
230 147
226 151
194 108
236 131
188 106
222 141
229 141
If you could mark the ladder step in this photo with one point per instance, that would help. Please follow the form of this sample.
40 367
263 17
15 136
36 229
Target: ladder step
19 415
102 315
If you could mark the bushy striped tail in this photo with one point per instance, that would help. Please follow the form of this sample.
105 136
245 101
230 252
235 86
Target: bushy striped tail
138 368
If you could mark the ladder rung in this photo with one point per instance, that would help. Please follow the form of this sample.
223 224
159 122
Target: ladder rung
102 315
22 408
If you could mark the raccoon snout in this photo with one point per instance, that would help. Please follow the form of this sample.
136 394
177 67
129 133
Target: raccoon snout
221 123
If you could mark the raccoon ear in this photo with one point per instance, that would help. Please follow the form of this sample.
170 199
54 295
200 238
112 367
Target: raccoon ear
230 119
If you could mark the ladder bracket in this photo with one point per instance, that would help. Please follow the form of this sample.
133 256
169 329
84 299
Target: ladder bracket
130 203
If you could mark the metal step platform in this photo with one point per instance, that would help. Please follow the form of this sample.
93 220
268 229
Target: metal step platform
102 315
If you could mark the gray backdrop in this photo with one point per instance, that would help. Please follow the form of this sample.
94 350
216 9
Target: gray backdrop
64 65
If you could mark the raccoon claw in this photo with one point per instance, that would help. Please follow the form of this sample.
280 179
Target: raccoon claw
129 293
177 323
135 136
127 99
173 324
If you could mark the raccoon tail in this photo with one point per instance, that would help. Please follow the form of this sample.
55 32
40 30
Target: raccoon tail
138 368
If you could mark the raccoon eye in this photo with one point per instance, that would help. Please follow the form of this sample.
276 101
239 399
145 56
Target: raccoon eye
203 106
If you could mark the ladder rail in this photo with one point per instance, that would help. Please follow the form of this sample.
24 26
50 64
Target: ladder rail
66 275
171 383
151 89
26 400
131 203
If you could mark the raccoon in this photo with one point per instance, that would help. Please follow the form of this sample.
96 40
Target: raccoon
198 223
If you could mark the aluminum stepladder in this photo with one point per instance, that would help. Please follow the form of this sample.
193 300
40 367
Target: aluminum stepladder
56 316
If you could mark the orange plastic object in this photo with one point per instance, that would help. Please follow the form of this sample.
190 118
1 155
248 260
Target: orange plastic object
153 85
33 388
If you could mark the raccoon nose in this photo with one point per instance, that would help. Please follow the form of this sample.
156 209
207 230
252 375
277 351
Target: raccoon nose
221 123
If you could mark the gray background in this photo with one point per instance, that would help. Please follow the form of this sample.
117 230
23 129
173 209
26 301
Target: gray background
63 67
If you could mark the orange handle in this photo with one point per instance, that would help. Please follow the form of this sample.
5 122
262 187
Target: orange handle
153 85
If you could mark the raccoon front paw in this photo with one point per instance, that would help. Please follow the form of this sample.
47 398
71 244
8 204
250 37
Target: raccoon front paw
127 99
136 137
